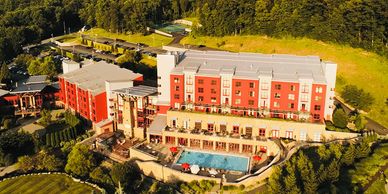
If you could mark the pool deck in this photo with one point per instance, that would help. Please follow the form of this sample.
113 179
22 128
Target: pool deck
168 159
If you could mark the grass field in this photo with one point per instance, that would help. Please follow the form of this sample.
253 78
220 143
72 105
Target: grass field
377 187
355 66
36 184
154 40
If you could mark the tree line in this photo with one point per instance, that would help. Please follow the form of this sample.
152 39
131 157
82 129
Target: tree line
322 169
357 23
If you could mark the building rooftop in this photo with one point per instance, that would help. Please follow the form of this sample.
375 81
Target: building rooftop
25 88
139 91
36 79
92 77
3 92
252 65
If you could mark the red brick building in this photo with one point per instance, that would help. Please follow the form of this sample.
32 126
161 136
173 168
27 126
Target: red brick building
85 90
259 85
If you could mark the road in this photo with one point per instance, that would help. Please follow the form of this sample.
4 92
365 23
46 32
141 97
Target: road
371 124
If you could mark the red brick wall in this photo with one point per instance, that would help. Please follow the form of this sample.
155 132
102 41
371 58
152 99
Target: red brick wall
211 87
284 92
177 96
244 89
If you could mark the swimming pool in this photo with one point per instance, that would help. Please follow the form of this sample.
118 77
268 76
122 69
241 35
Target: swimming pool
212 160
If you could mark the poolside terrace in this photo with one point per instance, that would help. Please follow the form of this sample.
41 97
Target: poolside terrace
165 156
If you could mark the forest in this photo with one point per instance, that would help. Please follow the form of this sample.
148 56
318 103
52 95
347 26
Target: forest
357 23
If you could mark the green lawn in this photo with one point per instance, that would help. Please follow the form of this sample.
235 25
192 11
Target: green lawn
154 40
36 184
150 61
355 66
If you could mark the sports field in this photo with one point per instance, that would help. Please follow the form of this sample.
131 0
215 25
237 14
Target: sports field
356 66
43 184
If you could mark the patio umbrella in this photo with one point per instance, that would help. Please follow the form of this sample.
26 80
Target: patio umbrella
194 169
174 149
256 158
213 171
185 165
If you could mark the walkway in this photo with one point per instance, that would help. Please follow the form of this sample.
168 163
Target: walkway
8 169
375 177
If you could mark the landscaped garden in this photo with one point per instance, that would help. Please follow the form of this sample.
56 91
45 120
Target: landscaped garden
353 63
45 183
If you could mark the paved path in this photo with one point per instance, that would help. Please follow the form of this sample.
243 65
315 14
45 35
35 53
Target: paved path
8 169
376 177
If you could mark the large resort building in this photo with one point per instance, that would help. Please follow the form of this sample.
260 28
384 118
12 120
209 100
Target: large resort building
217 102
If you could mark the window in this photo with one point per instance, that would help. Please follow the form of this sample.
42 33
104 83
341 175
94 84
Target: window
225 92
214 82
317 107
200 98
251 102
189 80
236 129
176 80
198 125
278 87
290 105
252 94
318 90
213 99
251 85
318 98
238 93
200 81
264 86
238 101
277 95
262 132
177 88
292 88
276 104
305 88
238 84
189 89
210 126
316 116
200 90
176 96
291 97
264 94
213 91
304 98
226 83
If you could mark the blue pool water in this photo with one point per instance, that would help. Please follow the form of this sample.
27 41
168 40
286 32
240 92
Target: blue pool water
218 161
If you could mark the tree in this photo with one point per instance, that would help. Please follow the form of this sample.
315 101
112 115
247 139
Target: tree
48 140
340 119
126 174
80 161
275 184
360 122
290 184
363 149
45 119
357 97
349 155
48 162
71 119
34 68
26 163
101 175
333 171
4 73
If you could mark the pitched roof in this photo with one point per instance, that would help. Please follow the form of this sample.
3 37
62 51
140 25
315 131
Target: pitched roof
36 79
24 88
92 77
252 65
139 91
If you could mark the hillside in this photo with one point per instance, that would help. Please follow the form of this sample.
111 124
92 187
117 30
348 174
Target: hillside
365 69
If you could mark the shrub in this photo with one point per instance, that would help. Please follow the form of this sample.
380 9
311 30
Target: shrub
356 97
340 119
